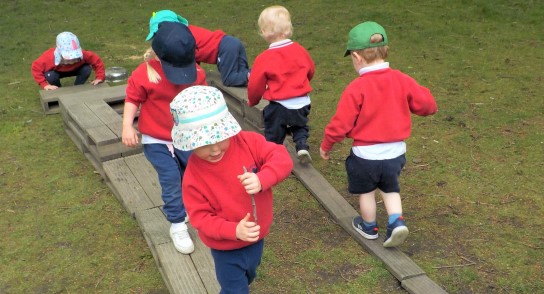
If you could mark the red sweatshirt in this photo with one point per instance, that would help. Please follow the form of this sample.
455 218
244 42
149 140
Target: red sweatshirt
281 72
155 119
207 44
46 62
216 201
375 108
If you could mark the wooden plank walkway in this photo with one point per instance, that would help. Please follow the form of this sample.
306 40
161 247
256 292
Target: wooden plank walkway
413 279
92 120
50 99
134 182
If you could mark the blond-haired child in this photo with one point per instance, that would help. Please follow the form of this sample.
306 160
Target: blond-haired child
281 74
168 68
374 110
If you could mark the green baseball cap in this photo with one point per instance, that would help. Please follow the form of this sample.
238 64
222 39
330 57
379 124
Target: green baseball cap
359 36
160 16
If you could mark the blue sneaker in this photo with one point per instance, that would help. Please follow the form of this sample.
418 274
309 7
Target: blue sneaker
369 232
396 233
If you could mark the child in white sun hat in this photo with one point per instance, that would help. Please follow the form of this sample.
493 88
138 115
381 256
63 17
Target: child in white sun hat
67 59
227 183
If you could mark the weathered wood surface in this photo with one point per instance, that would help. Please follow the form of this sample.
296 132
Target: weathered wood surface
135 184
250 118
95 122
192 273
95 125
50 98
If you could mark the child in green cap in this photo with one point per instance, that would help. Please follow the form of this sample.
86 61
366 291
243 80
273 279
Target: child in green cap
374 110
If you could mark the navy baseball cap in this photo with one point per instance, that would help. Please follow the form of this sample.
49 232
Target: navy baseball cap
175 46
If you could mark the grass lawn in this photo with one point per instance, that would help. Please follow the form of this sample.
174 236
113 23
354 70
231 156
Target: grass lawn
471 188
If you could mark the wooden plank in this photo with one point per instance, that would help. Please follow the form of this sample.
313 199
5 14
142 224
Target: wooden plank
232 94
203 261
400 265
104 112
101 135
422 284
178 270
96 164
50 98
76 138
130 192
147 177
83 118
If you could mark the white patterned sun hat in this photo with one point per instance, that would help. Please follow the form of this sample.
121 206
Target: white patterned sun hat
201 118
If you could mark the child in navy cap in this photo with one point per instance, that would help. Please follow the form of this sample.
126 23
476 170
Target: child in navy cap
212 47
169 68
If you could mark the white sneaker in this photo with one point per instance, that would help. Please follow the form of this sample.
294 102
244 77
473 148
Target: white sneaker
181 239
304 156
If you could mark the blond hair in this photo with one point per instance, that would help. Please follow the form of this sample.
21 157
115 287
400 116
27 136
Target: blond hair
371 54
274 22
152 74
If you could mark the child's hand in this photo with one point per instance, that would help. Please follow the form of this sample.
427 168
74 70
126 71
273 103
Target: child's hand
324 154
129 136
50 87
247 231
251 182
96 82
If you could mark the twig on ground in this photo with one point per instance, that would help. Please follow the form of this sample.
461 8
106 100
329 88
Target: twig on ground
457 265
532 246
96 286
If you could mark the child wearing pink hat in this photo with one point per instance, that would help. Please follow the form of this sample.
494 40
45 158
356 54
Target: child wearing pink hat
67 59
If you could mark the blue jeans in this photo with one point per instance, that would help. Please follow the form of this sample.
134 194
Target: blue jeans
236 269
232 62
170 169
82 74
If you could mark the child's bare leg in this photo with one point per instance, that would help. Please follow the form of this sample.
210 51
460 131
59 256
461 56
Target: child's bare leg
396 228
366 224
392 202
367 206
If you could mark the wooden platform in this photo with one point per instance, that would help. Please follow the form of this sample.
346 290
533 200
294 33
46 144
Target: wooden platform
93 119
50 98
134 182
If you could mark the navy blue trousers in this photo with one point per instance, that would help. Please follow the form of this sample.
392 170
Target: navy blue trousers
232 62
82 74
279 121
236 269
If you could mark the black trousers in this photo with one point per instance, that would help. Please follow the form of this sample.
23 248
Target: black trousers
280 121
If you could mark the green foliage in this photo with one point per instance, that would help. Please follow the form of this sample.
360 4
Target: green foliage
471 189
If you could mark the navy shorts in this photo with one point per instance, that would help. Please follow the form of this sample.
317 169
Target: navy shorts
365 175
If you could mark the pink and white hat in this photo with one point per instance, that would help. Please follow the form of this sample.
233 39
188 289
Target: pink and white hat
201 118
67 47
